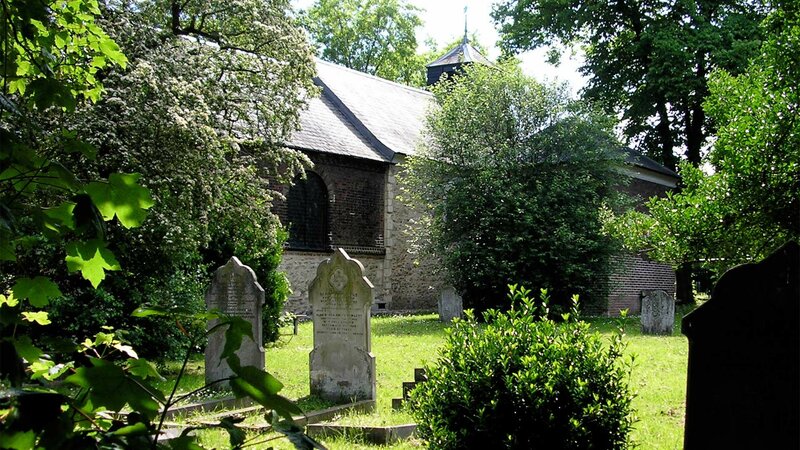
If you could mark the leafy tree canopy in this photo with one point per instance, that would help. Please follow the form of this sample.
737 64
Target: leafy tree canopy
371 36
646 60
749 205
512 181
208 95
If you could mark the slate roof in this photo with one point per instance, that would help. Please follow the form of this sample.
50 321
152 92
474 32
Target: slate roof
637 159
387 116
363 116
323 128
461 54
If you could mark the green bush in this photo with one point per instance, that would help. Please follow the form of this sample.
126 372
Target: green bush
525 381
513 181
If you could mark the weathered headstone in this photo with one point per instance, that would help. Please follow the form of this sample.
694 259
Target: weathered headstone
743 383
658 312
450 305
342 365
235 291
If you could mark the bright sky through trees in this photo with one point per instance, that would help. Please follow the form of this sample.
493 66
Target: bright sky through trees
443 20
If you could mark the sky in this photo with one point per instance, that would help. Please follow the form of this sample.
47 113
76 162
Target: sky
444 21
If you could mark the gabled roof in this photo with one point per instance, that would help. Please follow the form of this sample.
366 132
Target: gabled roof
363 116
323 128
638 159
387 116
463 53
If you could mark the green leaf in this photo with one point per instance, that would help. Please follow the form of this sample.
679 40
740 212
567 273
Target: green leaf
235 434
137 429
112 51
92 258
59 217
187 442
72 145
237 329
48 92
143 369
18 440
39 317
147 311
123 197
39 291
26 349
263 388
9 300
112 388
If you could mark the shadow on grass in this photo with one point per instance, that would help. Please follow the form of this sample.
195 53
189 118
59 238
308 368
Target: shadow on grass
412 325
311 403
633 325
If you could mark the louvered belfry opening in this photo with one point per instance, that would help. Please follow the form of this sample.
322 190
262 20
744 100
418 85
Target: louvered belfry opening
307 213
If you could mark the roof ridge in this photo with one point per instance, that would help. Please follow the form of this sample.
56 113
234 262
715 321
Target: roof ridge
377 78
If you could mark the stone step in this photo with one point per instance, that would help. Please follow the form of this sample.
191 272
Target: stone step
408 386
419 377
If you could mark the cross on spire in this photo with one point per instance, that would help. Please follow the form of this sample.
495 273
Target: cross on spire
466 39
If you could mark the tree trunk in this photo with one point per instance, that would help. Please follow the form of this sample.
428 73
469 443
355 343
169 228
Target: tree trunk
665 136
683 285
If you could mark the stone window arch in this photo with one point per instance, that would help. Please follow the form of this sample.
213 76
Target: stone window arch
307 213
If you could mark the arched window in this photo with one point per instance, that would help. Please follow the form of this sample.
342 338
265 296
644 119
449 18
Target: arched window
307 213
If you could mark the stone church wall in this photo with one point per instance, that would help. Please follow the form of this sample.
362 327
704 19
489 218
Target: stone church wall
301 268
416 281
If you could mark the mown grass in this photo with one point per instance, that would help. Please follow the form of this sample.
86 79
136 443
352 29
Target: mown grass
401 343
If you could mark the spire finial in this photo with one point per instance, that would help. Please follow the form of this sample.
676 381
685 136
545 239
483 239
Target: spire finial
466 39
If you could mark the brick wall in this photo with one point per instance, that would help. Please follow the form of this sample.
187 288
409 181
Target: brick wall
355 200
641 191
634 274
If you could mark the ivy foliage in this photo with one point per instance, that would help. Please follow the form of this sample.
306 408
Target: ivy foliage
511 184
525 381
749 205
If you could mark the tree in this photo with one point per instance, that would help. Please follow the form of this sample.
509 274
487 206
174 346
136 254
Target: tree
512 181
647 61
372 36
54 56
201 110
749 206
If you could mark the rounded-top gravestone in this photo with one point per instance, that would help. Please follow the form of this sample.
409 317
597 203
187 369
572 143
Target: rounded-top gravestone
342 365
234 291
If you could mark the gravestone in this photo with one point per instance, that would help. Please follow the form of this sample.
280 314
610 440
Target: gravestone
342 365
450 305
658 312
743 381
235 291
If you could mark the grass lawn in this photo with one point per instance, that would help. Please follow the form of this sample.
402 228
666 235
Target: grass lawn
401 343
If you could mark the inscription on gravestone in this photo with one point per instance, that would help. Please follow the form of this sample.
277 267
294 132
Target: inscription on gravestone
235 291
450 305
743 381
342 365
658 312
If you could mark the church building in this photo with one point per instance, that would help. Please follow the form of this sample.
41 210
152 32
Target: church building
358 133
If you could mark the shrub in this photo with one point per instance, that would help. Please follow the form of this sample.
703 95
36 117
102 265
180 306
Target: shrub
513 178
525 381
